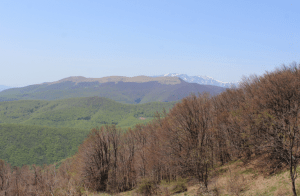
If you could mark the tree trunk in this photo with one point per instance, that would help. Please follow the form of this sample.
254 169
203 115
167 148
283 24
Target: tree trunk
294 189
293 179
206 176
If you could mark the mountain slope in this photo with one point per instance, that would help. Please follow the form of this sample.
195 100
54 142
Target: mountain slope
139 89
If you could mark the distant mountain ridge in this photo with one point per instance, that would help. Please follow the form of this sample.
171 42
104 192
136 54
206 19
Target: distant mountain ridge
2 87
132 90
199 80
116 79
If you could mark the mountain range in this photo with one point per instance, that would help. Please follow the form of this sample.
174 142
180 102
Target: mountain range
2 87
199 80
132 90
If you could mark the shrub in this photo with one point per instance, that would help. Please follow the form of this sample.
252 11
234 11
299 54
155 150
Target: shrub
203 191
179 186
147 187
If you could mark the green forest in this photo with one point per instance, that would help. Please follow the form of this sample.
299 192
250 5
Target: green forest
29 144
83 113
43 132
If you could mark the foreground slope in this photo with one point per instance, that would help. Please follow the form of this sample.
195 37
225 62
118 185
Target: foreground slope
140 89
233 178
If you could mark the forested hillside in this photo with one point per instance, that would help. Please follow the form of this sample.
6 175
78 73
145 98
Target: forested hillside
43 132
83 113
257 121
28 144
121 89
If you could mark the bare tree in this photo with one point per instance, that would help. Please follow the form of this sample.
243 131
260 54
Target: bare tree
93 161
188 136
274 124
4 177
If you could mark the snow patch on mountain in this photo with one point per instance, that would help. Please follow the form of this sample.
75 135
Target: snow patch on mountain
200 80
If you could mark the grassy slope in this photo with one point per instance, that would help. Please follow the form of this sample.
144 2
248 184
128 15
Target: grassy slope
252 178
84 113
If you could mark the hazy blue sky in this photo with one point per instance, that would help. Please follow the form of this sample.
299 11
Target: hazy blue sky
42 41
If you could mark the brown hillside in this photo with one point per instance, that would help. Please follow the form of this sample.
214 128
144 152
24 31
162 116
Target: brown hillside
116 79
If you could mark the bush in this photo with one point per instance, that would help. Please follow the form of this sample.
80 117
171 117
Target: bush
179 186
147 187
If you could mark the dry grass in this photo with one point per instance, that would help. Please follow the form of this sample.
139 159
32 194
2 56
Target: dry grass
249 180
238 178
116 79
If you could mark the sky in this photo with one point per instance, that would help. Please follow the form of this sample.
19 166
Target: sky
44 41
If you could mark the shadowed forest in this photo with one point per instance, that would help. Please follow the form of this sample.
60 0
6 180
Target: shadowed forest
260 118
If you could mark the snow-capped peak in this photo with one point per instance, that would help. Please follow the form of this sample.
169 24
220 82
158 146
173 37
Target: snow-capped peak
200 80
171 74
